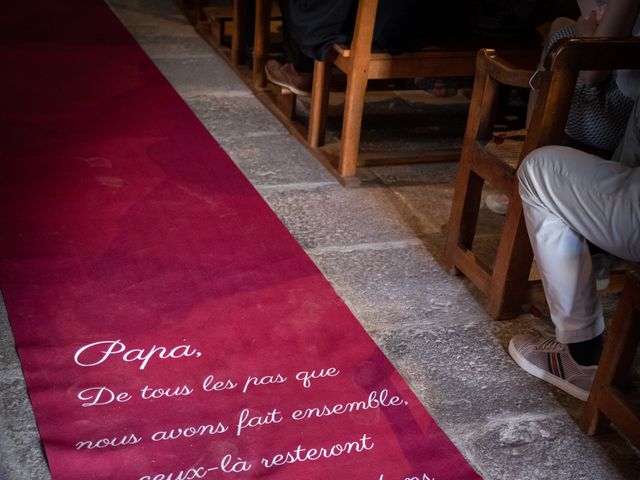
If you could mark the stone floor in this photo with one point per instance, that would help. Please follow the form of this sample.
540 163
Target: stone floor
379 245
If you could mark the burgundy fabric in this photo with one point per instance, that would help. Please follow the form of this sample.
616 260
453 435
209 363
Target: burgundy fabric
123 224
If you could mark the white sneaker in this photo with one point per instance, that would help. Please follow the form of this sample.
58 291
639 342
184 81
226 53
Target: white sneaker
497 203
551 361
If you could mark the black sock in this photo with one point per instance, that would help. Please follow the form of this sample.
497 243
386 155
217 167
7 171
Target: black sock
588 352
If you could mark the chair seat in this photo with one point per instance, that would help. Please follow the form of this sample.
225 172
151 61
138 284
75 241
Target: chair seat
434 63
461 45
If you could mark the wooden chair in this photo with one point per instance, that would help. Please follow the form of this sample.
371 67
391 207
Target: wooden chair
240 13
607 403
452 57
217 20
194 10
236 15
505 284
266 12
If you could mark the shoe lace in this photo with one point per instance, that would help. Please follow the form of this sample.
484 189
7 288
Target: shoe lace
550 345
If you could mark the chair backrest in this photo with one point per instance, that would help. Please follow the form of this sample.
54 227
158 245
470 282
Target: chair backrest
557 82
362 42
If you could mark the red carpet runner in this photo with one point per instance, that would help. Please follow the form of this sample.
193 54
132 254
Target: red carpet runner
168 325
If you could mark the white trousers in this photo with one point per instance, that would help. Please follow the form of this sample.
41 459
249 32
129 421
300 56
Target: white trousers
569 196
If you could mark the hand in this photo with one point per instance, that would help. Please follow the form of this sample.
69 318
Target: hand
586 27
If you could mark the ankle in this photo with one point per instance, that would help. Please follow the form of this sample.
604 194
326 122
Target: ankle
587 353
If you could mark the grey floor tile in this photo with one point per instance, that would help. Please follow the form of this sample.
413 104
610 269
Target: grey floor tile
431 204
417 174
277 160
9 363
208 75
388 288
174 47
148 12
165 32
339 217
462 373
21 456
234 120
544 447
10 368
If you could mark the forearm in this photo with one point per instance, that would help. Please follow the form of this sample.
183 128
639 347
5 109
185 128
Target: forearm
617 21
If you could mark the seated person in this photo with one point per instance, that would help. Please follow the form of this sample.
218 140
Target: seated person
312 27
599 107
309 30
569 197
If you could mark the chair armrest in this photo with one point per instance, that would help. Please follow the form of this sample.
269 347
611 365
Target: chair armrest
504 72
575 54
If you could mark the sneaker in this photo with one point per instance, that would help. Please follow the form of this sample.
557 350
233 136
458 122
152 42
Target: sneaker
497 203
286 76
551 361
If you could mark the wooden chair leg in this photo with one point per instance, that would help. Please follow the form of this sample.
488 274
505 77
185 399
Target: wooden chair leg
464 214
623 338
286 101
352 121
513 264
468 188
320 92
200 17
261 42
239 33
